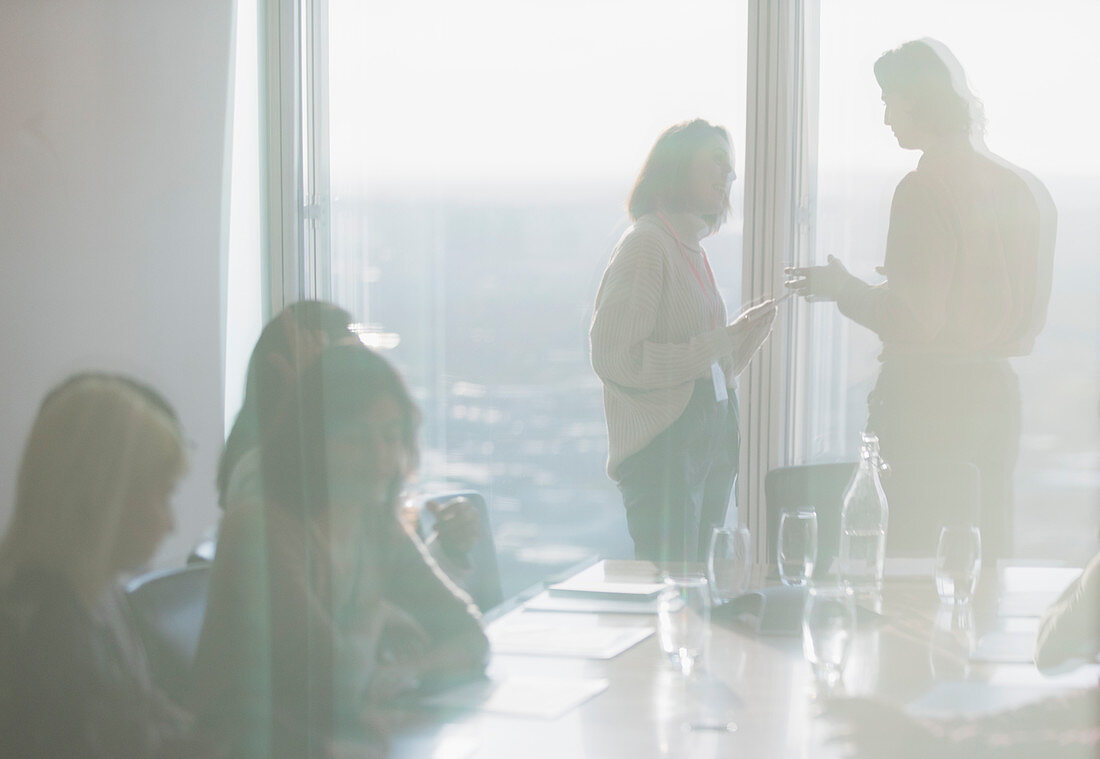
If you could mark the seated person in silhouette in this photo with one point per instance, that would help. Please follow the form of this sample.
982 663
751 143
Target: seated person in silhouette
968 265
1066 726
93 501
287 345
323 607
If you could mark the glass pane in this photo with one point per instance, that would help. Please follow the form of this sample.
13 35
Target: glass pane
243 291
1030 69
481 154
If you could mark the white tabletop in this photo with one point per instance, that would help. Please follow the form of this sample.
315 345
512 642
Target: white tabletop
762 684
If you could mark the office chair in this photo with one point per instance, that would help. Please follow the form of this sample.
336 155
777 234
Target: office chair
168 608
818 485
923 495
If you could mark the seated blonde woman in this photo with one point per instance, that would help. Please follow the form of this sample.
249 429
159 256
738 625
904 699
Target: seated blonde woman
92 501
322 606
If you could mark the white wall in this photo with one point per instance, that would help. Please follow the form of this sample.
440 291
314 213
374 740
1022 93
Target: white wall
113 125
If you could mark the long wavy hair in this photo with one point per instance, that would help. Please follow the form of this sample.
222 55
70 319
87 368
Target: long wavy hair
926 73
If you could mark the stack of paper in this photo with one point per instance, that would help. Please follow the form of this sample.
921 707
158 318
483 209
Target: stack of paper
606 586
545 601
602 581
586 641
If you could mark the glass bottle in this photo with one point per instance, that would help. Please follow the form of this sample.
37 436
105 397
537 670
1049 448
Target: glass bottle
863 520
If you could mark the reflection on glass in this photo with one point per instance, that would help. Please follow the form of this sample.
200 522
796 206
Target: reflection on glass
951 643
828 624
683 615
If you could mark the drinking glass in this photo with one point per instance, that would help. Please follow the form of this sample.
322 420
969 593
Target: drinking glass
729 562
958 563
828 624
683 618
797 546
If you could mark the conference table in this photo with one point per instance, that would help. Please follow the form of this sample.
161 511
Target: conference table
752 695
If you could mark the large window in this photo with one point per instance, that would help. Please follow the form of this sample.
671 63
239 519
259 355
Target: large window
1031 69
479 157
462 172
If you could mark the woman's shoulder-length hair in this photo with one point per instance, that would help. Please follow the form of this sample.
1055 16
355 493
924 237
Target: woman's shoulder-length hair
662 184
98 441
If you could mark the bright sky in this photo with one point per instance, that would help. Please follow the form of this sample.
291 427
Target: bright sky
516 90
1033 65
575 91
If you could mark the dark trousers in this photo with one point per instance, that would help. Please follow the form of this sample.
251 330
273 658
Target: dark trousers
677 488
962 410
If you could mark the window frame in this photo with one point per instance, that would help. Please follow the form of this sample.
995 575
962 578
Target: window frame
780 155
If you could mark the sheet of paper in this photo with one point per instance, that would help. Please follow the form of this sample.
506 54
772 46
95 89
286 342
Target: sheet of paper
587 642
536 697
1084 676
546 602
1003 647
434 742
1025 579
1025 604
617 589
600 580
969 697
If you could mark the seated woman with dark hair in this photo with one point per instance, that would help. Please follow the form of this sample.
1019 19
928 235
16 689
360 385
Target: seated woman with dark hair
92 501
322 606
288 344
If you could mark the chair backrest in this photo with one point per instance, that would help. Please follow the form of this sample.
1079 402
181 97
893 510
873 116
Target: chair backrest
483 583
818 485
168 608
924 495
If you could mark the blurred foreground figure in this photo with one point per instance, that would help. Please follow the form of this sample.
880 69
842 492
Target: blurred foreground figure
323 608
92 502
1069 632
1065 727
968 265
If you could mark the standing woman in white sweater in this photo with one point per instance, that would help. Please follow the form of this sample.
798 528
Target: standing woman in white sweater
665 354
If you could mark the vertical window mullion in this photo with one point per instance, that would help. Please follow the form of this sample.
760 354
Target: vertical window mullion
281 148
778 156
316 206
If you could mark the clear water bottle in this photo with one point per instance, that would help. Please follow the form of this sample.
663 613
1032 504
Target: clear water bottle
863 522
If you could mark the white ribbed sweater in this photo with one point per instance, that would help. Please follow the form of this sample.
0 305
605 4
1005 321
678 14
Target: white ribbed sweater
653 331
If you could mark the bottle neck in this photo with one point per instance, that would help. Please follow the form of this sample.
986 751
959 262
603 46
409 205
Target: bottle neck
871 460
